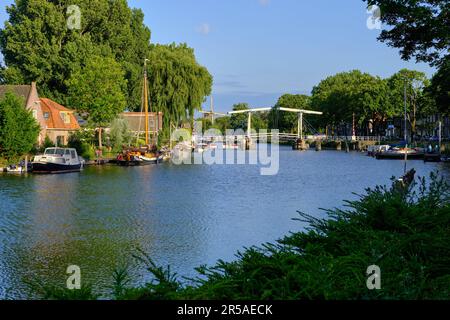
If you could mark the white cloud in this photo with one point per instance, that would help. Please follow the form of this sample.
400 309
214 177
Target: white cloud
264 2
204 29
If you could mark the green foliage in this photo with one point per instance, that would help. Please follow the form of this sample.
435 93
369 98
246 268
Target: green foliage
347 93
222 124
47 292
48 143
18 128
83 141
440 87
287 121
417 102
38 46
418 28
178 84
239 121
97 90
119 134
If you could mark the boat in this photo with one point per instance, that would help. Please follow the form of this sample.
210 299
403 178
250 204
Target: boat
57 160
22 167
373 150
15 170
200 147
143 155
400 153
432 157
138 157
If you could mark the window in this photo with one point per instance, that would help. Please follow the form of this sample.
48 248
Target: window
35 114
65 117
46 115
72 152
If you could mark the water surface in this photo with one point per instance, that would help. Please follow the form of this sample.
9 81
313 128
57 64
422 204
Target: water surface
183 216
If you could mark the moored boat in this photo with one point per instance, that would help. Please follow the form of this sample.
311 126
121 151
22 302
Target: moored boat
373 150
148 154
432 157
57 160
138 157
400 153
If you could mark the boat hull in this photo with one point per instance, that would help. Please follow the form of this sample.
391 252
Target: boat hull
137 163
399 156
46 168
432 157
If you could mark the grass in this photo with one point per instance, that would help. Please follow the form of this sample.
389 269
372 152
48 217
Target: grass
406 232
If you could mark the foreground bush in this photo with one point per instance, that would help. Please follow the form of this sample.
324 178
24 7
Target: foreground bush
406 232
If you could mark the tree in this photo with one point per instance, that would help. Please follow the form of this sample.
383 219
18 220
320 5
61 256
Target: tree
18 128
439 88
417 105
287 121
97 89
178 84
352 94
38 46
420 28
239 120
119 134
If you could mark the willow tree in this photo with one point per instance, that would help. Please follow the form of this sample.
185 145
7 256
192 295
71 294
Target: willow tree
38 45
178 84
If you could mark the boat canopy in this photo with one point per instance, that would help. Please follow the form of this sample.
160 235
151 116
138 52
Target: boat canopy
54 151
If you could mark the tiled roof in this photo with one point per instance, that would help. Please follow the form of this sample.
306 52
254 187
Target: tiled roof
52 114
22 91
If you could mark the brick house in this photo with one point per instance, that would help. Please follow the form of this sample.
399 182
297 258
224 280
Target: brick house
32 102
60 121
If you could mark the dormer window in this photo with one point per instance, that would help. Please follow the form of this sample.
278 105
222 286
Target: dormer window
65 117
46 115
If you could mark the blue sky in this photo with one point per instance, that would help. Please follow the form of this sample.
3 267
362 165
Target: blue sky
257 50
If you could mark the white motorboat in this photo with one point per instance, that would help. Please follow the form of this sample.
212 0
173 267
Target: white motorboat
58 160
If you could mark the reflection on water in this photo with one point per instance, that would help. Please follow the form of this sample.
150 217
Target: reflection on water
184 216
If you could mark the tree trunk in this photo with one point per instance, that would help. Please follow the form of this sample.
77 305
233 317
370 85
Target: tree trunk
100 145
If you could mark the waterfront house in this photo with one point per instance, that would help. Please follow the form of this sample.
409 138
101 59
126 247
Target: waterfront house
30 97
60 121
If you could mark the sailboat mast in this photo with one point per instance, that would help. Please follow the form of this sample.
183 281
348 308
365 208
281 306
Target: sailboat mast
406 135
146 103
212 110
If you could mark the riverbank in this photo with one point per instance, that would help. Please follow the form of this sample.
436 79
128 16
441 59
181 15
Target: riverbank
403 232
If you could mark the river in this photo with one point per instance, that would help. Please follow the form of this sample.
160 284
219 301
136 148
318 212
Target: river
182 216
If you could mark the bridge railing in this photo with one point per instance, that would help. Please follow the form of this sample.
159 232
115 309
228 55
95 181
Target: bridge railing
294 136
282 136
